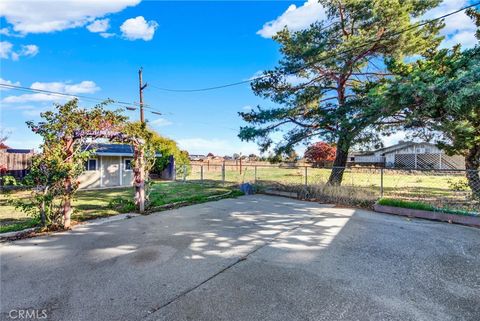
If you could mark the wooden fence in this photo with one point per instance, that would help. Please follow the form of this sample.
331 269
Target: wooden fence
15 163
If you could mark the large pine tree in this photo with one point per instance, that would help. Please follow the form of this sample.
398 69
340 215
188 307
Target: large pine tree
319 87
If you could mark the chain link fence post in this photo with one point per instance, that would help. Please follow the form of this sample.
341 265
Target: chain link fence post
306 175
255 175
201 173
223 174
381 182
184 173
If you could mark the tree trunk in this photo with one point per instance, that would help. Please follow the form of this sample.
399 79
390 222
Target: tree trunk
472 165
67 205
341 157
43 214
139 179
67 209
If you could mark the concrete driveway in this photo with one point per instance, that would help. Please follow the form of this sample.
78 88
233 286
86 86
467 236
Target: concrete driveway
252 258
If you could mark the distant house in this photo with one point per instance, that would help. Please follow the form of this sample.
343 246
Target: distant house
413 155
196 157
14 161
109 166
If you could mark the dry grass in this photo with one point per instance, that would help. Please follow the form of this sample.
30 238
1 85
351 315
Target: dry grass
341 195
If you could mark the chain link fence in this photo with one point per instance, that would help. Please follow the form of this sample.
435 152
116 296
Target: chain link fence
442 188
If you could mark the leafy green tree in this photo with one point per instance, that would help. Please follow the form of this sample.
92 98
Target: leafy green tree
320 86
145 149
67 132
46 175
440 98
168 147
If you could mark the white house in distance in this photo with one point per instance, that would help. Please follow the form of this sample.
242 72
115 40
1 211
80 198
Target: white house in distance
412 155
109 166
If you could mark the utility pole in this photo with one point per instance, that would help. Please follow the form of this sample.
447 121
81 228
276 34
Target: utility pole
139 156
141 87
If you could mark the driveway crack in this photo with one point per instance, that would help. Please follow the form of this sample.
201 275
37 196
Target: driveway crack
229 266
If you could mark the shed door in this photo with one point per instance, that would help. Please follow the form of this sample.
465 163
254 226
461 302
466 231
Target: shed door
110 171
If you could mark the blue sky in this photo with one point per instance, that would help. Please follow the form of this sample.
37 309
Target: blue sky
94 48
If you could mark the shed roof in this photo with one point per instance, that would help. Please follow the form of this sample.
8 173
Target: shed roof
113 150
18 151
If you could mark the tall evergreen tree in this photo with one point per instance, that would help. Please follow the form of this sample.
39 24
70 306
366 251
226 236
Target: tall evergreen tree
320 85
440 96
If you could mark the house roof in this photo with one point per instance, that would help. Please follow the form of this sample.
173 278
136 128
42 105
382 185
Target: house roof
18 151
400 145
3 146
113 150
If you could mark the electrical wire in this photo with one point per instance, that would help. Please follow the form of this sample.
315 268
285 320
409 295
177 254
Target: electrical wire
323 59
122 104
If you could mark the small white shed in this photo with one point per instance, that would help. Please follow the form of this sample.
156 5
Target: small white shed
109 166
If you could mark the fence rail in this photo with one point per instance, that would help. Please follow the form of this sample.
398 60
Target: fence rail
446 188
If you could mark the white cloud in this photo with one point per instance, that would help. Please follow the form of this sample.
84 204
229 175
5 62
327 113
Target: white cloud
459 28
35 112
247 108
5 49
217 146
294 18
138 28
5 32
40 17
29 50
100 25
8 82
394 138
159 122
107 34
84 87
38 97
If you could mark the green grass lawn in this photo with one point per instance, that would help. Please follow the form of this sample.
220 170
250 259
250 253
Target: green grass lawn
90 204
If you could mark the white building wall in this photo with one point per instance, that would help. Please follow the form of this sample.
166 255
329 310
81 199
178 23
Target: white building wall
110 172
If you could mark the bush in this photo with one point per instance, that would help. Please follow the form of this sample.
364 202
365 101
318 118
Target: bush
458 185
122 205
9 180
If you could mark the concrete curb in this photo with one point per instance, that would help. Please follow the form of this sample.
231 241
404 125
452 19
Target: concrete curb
274 192
98 221
16 233
113 218
429 215
183 203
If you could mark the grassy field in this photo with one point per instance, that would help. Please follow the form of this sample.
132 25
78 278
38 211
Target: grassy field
434 187
90 204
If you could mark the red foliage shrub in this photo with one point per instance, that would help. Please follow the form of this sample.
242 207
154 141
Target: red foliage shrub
320 153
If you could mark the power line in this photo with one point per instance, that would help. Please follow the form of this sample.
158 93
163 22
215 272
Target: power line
122 104
323 59
49 92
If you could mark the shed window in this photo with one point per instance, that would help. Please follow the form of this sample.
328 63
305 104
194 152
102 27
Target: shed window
91 165
128 164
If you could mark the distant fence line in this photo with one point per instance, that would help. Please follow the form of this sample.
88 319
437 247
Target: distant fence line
439 187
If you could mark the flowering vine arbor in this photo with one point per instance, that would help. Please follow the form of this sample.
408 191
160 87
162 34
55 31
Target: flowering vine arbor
67 135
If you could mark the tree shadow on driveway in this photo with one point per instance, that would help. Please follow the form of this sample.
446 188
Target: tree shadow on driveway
247 258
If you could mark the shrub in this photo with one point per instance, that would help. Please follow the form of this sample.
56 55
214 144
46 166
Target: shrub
122 205
458 185
9 180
